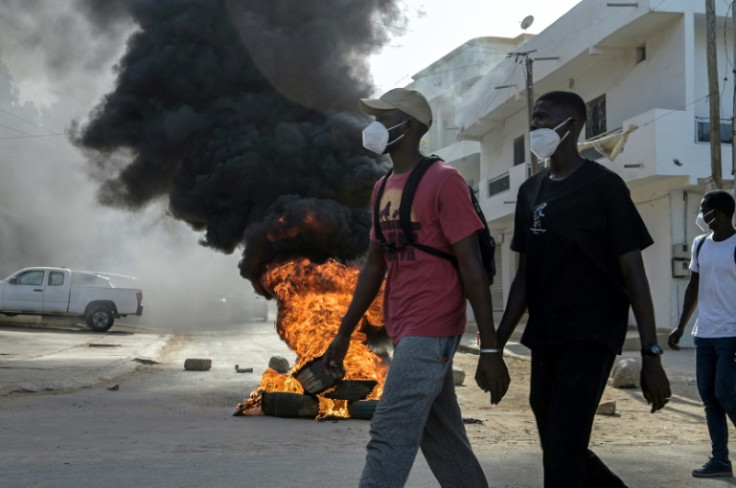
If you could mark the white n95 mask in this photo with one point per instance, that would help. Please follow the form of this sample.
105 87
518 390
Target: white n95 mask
543 142
702 223
375 136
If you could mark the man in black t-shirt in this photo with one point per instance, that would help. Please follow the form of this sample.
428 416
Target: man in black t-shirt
579 239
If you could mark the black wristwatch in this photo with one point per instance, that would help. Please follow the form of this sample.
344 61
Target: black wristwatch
653 350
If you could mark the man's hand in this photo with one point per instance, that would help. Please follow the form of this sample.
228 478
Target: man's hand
674 339
492 375
654 383
335 355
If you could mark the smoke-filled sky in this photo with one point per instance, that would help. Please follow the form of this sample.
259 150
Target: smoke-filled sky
221 121
213 122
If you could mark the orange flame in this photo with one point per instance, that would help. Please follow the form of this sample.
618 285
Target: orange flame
329 408
312 299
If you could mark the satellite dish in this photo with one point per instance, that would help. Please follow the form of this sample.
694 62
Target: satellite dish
528 20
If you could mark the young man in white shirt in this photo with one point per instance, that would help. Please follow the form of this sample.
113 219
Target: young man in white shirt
712 288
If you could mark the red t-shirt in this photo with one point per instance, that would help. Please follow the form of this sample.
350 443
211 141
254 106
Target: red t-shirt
423 293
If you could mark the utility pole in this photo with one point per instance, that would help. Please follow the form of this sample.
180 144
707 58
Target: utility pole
529 63
529 81
713 95
529 104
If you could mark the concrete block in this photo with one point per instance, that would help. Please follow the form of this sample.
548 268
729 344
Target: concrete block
626 373
458 375
280 364
607 408
196 364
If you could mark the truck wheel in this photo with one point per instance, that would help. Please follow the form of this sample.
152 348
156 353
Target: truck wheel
100 318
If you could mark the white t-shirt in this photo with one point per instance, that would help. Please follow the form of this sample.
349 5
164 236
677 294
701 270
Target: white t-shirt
717 290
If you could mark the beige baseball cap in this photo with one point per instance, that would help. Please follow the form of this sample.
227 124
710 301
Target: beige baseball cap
411 102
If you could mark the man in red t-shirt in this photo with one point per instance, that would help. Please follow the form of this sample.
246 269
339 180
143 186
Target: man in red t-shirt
424 307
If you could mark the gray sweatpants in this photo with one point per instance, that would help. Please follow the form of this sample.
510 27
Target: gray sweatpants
419 409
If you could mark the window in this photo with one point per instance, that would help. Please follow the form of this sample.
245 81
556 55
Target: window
498 184
596 123
34 278
56 278
519 150
591 153
703 130
641 53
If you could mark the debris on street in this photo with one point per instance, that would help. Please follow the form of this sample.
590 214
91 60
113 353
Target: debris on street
197 364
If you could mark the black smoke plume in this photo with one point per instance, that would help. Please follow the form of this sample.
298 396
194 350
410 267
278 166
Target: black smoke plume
242 113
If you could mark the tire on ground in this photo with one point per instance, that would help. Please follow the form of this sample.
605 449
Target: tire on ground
289 405
362 409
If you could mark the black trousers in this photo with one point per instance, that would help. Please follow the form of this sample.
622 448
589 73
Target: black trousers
567 382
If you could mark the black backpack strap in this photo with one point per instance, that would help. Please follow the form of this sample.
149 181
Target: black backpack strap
377 209
700 244
407 197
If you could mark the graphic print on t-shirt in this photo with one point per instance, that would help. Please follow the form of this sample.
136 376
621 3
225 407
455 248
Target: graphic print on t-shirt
388 218
537 216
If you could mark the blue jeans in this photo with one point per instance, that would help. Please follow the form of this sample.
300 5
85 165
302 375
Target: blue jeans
419 408
716 374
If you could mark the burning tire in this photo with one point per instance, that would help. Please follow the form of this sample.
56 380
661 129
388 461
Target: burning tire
362 409
289 405
351 390
313 377
100 318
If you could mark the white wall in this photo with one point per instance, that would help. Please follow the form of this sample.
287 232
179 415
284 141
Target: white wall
656 82
655 213
684 209
724 46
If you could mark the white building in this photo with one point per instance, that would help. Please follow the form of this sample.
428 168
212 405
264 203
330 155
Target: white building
642 65
444 83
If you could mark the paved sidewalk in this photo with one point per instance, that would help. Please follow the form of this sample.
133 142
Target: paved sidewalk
46 358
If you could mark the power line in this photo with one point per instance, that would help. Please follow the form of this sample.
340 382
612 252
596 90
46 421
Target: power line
496 93
678 109
476 64
487 48
14 129
26 120
38 136
27 135
392 26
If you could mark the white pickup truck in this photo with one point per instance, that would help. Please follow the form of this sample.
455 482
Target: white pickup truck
64 292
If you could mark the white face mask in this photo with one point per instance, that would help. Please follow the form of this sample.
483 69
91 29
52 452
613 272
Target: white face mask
543 142
702 223
375 136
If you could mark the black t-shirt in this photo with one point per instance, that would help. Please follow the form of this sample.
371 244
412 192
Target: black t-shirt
572 232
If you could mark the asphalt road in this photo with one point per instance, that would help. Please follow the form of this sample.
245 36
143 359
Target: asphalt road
80 409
